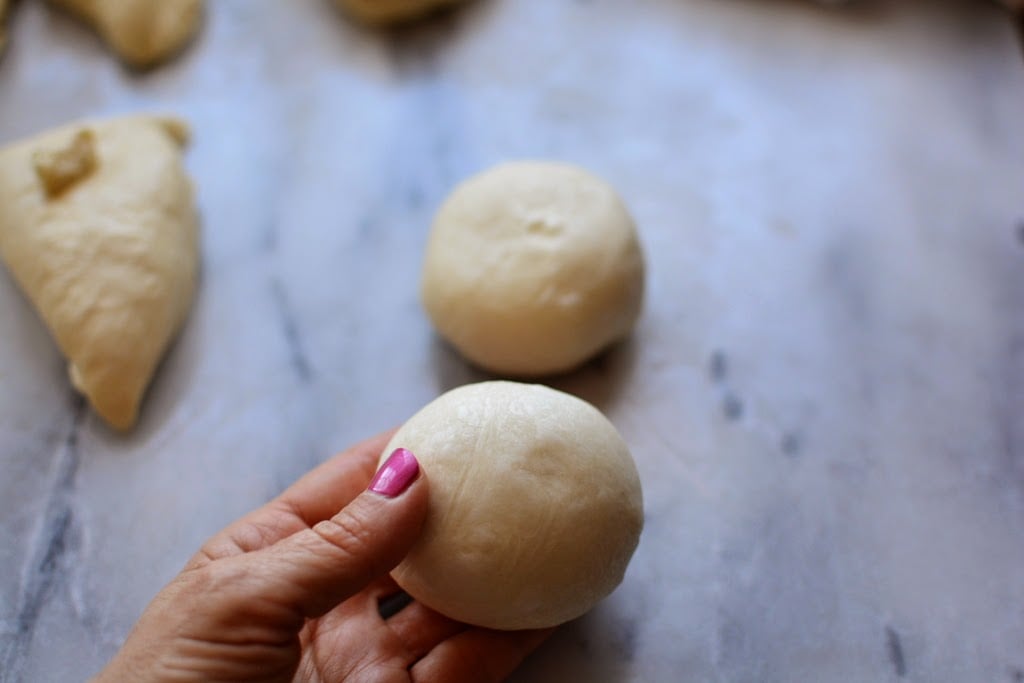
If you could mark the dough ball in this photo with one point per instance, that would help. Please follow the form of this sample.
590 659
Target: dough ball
99 229
142 32
532 268
380 12
535 506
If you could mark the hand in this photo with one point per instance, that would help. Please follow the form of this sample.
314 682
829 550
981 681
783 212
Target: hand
291 592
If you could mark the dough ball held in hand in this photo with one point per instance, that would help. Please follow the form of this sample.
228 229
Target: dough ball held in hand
142 32
99 229
532 268
387 12
535 506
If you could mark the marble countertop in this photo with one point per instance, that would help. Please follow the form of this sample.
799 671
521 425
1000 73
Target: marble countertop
824 394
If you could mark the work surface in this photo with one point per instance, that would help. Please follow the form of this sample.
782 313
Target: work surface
824 394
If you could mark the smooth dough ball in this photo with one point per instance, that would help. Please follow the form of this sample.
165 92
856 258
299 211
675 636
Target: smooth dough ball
535 506
532 268
382 12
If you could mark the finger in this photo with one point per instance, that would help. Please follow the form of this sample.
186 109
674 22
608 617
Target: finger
418 628
313 498
478 656
334 484
315 569
421 629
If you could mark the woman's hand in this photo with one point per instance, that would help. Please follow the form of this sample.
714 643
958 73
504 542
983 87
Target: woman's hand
292 592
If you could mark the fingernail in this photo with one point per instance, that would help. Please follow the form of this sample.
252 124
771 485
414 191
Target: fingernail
395 475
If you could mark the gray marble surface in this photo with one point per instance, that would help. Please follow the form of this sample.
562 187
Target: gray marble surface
824 394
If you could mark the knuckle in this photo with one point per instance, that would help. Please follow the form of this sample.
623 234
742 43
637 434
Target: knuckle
347 532
221 579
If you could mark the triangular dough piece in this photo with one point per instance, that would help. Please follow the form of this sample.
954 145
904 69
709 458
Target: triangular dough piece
99 228
142 32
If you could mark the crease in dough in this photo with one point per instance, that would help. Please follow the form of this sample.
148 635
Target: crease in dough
389 12
99 229
142 32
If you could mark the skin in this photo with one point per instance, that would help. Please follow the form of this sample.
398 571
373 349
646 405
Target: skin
290 592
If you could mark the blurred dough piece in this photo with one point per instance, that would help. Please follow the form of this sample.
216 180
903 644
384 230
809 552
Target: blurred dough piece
99 229
381 12
532 268
1015 5
142 32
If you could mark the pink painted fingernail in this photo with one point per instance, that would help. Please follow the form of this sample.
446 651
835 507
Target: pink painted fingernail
395 475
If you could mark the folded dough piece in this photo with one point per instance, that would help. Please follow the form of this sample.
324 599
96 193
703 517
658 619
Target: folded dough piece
382 12
142 32
99 229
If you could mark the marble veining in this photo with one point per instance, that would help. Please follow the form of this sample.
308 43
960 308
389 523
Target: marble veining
823 393
296 354
51 550
895 647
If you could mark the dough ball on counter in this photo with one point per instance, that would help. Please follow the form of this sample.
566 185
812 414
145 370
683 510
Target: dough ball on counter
142 32
535 506
99 229
532 268
382 12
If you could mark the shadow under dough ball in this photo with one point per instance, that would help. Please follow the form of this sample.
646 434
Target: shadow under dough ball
535 506
533 267
384 12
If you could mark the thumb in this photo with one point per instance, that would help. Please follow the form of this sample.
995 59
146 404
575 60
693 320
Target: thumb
314 570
